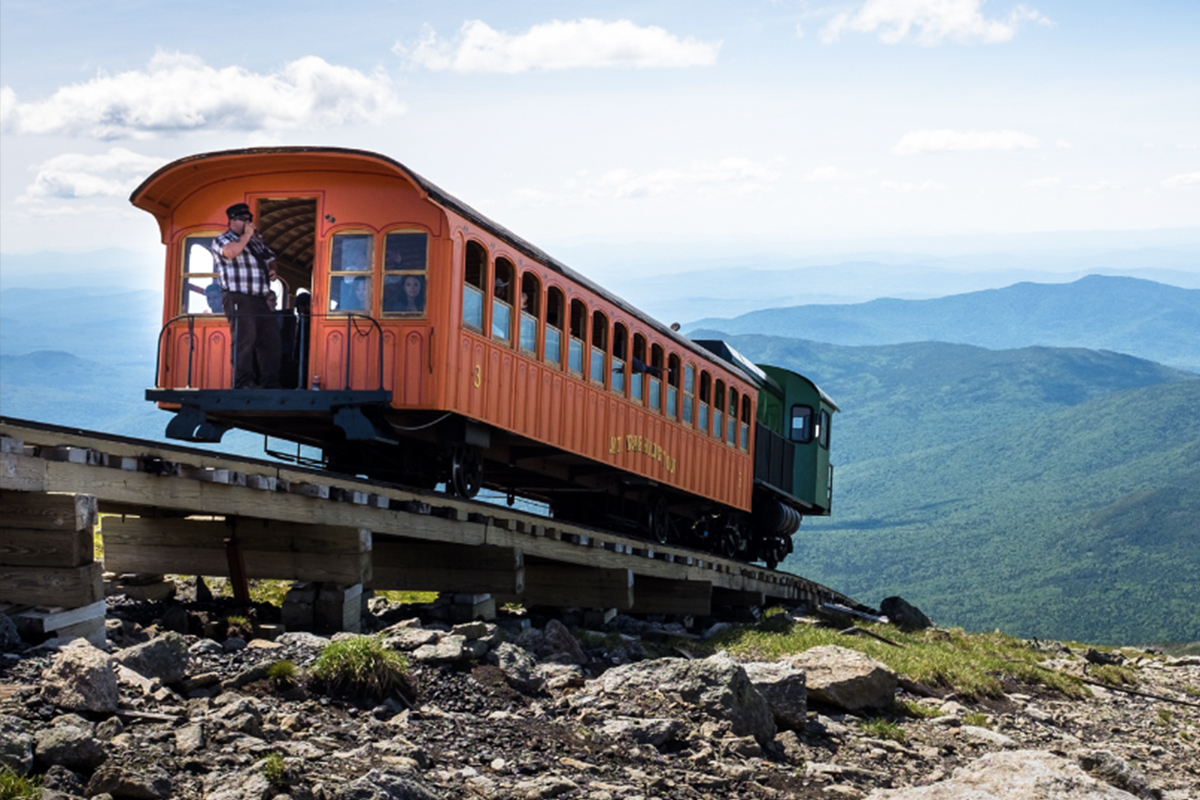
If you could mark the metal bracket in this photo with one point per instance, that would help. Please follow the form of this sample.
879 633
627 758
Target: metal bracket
190 424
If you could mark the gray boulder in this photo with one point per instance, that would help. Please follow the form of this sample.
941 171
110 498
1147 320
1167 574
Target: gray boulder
16 744
378 785
716 686
10 637
783 687
145 782
904 615
163 657
518 666
82 679
845 678
561 646
68 746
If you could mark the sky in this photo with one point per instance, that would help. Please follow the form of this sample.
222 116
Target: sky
695 127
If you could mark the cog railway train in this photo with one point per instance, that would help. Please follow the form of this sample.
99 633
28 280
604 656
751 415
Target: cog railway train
425 344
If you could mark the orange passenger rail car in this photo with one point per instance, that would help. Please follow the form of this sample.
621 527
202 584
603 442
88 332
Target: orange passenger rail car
425 344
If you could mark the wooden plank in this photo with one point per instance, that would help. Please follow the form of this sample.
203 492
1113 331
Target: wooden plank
22 473
737 598
48 512
658 596
69 587
21 547
410 565
254 534
548 584
46 620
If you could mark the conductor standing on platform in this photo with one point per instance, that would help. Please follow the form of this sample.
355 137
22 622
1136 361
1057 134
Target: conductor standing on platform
246 267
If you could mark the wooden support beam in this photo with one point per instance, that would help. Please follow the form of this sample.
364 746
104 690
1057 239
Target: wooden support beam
279 550
22 547
735 597
48 512
548 584
416 566
68 587
658 596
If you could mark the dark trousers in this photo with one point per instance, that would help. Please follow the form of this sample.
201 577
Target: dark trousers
255 341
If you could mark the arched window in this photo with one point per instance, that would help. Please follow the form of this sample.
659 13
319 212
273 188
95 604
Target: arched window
578 337
731 424
673 386
599 365
655 377
705 401
718 420
689 391
555 312
504 287
474 273
747 413
620 354
531 303
404 279
637 382
351 265
201 287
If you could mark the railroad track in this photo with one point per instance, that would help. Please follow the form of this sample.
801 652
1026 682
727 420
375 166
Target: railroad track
167 509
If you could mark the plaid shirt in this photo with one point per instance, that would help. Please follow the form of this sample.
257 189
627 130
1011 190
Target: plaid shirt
247 272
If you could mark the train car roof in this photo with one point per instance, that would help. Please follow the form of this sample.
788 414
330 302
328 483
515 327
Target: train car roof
162 190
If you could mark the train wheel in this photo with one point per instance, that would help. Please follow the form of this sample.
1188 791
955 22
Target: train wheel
466 470
732 540
775 551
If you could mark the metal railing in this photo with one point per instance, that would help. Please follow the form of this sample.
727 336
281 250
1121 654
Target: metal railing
301 335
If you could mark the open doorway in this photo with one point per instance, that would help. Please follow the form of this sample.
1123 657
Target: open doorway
289 227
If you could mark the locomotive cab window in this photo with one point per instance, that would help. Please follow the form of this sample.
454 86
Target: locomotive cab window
673 386
531 301
637 381
689 390
802 424
823 429
599 348
474 271
350 270
504 288
405 255
705 395
620 353
201 288
575 344
555 312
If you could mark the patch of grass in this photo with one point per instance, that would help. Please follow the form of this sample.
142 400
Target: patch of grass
881 728
361 666
911 708
275 771
270 592
1113 674
239 626
1192 691
971 665
282 673
977 719
18 787
408 598
1165 716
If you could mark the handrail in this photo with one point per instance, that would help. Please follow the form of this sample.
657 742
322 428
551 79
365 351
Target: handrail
302 329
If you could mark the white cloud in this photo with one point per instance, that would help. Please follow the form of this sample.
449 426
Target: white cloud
557 45
1042 183
1183 179
933 20
8 107
930 141
1102 186
730 175
178 93
72 175
833 175
903 188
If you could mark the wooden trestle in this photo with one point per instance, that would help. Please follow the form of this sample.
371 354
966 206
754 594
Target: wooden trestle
164 509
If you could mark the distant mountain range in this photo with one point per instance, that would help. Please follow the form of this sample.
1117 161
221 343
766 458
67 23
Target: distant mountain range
1126 315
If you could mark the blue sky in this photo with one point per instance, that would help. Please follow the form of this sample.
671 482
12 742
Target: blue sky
708 125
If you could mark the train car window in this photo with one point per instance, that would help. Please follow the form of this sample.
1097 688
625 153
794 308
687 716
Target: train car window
201 289
351 268
637 380
673 386
531 301
802 422
555 303
823 433
599 365
731 419
578 338
405 254
689 390
474 270
620 353
654 377
747 415
718 421
502 299
705 399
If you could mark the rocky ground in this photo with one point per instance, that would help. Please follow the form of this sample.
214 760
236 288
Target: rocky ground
522 710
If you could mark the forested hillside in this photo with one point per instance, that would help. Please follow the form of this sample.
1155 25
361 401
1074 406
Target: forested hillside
1126 315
